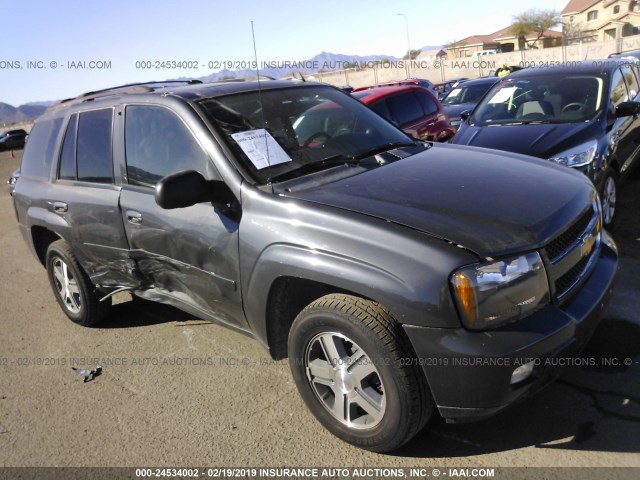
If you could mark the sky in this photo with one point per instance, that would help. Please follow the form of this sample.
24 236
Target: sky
46 43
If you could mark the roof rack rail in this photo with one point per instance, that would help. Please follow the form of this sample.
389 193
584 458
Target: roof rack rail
251 78
141 84
127 88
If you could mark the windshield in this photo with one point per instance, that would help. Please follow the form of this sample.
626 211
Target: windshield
466 94
553 98
275 132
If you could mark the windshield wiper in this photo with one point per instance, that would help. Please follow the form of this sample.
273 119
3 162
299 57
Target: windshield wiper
517 122
328 162
383 148
340 159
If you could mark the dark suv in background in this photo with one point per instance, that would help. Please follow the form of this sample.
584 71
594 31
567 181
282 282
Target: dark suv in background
398 276
12 139
464 97
585 117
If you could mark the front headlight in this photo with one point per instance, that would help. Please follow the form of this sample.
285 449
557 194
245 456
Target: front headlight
489 294
578 156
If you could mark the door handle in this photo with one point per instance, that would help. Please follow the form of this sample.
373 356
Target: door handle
134 217
60 207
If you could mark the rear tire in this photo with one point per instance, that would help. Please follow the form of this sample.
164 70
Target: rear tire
72 288
355 370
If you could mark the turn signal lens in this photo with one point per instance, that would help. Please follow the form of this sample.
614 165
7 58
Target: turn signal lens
466 295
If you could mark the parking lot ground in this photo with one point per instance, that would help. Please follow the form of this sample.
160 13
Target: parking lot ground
176 391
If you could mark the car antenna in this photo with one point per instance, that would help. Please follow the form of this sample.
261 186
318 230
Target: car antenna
264 122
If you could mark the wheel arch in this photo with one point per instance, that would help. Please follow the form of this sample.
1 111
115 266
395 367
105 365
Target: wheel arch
42 237
288 296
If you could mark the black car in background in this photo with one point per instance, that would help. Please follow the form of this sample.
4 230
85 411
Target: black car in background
465 96
584 117
12 139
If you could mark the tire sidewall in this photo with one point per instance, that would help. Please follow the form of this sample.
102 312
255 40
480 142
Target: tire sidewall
393 427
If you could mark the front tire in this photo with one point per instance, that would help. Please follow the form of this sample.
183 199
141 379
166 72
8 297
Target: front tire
608 198
356 371
72 288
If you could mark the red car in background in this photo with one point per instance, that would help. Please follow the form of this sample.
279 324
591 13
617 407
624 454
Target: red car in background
412 108
420 82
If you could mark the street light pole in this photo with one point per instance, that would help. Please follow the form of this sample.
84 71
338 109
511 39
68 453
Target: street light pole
406 24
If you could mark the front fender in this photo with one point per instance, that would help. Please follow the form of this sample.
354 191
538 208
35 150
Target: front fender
409 300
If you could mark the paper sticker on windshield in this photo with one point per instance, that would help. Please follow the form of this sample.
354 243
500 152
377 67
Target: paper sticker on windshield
503 95
261 148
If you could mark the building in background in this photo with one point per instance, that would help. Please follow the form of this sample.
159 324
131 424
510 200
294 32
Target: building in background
600 20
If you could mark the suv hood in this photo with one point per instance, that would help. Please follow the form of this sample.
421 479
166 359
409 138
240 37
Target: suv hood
486 201
538 140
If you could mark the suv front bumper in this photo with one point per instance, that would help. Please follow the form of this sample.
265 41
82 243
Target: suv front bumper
469 373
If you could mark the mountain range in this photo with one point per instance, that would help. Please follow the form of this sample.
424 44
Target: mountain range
324 61
28 111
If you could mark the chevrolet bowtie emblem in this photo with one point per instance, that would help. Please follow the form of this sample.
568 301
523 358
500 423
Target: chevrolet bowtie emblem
588 241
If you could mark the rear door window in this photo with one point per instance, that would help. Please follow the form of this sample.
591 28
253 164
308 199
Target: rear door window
427 102
67 169
381 109
405 108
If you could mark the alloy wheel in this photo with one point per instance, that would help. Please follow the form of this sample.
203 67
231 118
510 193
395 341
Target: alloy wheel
609 200
345 380
66 286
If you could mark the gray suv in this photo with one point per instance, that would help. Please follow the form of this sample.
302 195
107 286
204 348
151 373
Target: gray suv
397 276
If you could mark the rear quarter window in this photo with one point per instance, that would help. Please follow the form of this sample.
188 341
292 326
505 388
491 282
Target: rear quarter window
39 150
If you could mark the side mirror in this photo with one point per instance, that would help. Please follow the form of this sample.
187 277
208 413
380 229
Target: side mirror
465 115
627 109
182 189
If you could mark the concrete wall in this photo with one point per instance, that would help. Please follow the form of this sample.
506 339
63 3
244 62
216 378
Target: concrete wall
26 126
439 70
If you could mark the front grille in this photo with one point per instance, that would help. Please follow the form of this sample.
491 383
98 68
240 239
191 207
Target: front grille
571 254
566 281
563 242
